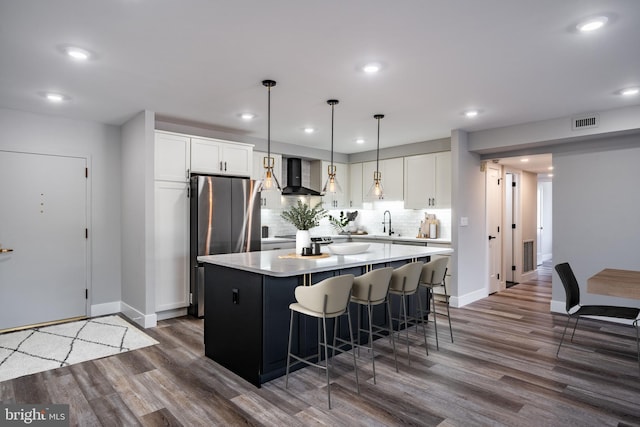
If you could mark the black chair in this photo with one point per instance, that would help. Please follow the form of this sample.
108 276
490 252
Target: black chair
574 309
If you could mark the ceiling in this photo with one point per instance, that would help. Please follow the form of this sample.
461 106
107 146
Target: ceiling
203 61
539 163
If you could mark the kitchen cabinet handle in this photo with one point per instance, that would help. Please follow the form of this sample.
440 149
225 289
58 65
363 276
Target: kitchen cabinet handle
225 166
4 251
221 166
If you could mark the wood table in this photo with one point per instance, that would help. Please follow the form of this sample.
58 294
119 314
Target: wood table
615 283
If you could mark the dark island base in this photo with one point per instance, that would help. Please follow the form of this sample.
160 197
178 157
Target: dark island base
246 322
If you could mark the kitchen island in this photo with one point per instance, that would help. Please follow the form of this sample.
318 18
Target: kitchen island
247 297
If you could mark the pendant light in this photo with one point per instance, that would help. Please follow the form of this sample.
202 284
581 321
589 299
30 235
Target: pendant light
376 192
269 180
331 186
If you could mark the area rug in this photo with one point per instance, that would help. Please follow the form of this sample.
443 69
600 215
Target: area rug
40 349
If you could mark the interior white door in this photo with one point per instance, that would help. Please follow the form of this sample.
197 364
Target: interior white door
494 219
43 219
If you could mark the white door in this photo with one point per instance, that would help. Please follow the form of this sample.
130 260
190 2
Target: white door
43 219
494 219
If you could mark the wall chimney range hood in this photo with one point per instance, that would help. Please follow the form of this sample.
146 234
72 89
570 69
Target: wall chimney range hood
294 180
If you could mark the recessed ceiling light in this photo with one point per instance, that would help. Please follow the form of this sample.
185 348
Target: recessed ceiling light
525 160
309 130
371 68
592 24
360 141
471 113
550 168
55 97
247 116
630 91
77 53
550 175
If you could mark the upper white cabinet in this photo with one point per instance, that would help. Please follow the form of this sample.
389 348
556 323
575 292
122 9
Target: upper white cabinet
171 157
213 156
268 199
428 181
392 177
355 185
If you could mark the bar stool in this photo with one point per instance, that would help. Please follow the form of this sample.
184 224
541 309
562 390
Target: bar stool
404 283
328 299
371 289
433 276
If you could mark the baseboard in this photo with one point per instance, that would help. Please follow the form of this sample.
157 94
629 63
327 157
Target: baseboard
144 320
170 314
105 308
560 307
461 301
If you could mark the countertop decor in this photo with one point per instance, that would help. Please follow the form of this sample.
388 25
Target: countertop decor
304 217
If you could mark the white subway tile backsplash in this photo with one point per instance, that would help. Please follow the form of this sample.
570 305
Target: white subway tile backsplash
405 222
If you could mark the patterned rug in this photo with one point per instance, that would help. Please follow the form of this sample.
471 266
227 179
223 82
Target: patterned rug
40 349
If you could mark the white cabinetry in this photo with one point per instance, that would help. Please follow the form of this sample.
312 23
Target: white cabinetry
428 181
171 157
392 177
355 185
171 221
268 199
171 245
212 156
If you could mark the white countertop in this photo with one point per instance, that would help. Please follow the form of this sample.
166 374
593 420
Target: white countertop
393 238
396 238
269 263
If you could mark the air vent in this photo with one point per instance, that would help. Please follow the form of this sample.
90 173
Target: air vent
586 121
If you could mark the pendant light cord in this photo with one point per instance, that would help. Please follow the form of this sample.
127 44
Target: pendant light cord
378 117
332 106
269 123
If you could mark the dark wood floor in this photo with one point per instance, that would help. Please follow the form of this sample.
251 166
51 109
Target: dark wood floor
501 370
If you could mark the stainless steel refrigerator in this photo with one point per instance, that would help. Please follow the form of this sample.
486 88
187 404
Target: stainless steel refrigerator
225 218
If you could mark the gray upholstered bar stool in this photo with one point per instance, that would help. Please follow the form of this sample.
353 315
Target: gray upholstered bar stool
328 299
433 276
371 289
404 283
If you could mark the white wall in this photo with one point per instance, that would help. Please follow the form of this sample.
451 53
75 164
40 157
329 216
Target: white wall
469 278
36 133
596 214
138 290
553 132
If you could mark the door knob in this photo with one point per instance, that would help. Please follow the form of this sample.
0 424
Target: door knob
492 237
4 251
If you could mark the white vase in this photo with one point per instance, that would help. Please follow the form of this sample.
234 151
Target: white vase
303 240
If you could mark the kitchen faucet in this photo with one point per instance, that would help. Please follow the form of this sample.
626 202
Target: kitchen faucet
384 222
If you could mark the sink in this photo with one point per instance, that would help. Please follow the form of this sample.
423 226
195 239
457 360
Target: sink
349 248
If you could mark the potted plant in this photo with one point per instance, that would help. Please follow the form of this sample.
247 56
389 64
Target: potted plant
339 223
304 217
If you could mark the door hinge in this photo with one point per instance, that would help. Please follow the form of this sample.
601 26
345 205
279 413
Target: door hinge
513 184
86 294
86 233
513 226
499 181
86 172
190 298
498 229
498 276
513 268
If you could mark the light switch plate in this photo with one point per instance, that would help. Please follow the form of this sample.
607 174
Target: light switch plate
464 221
